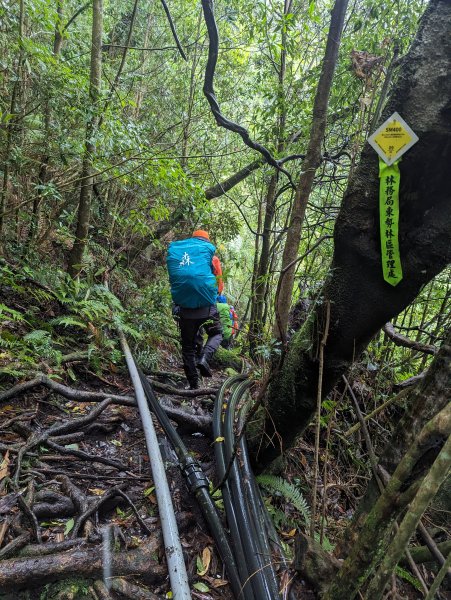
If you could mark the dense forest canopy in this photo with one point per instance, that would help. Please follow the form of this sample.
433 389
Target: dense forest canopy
127 125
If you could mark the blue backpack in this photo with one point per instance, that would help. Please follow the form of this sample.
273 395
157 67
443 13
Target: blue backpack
193 283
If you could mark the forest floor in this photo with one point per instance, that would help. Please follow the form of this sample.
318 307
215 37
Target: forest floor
80 501
61 489
77 501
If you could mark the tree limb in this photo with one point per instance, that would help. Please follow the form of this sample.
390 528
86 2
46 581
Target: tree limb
172 26
402 340
88 563
207 6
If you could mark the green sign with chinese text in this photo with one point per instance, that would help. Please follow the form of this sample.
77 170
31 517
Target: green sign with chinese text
389 220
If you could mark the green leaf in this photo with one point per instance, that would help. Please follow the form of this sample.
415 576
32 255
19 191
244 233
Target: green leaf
69 526
199 564
201 587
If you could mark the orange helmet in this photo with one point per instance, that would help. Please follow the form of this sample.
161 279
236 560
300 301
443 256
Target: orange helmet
201 234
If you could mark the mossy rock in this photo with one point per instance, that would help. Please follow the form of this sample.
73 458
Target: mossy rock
224 358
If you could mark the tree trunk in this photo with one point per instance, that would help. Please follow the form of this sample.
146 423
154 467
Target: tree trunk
87 177
256 325
11 124
371 544
45 157
361 302
311 163
423 402
429 488
258 297
30 572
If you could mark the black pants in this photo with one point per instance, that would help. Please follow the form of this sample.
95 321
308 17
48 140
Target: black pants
191 320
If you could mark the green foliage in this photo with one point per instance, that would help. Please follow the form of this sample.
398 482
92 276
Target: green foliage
280 487
73 587
228 358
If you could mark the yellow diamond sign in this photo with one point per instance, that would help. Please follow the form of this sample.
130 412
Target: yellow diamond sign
392 139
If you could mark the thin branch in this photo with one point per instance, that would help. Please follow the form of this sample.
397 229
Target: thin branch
174 33
75 15
319 398
207 6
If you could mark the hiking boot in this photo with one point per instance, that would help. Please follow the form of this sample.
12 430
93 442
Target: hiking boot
203 367
192 386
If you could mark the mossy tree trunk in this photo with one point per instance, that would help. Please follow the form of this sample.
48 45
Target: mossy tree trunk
361 302
424 401
87 172
372 541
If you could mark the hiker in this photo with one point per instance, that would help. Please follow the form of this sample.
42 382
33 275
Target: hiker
226 322
234 318
195 275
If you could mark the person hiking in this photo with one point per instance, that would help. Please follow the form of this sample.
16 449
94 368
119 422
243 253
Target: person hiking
234 317
226 321
195 275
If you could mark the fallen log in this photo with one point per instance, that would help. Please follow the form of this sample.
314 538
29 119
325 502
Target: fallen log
38 550
30 572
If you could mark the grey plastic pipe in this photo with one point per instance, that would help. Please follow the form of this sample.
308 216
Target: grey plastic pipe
174 554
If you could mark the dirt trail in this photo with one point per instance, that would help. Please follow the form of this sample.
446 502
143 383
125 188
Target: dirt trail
97 475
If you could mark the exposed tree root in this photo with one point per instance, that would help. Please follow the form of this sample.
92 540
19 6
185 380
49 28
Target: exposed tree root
313 563
130 590
180 392
14 545
85 456
50 504
38 550
189 422
58 429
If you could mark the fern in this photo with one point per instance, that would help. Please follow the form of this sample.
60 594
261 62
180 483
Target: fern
279 518
146 359
40 295
290 492
68 321
38 336
10 313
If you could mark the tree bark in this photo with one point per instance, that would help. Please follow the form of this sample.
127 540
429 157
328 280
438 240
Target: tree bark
25 572
87 176
429 488
361 301
429 397
224 186
311 163
11 124
371 543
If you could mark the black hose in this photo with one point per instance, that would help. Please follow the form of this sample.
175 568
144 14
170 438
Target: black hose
198 484
232 519
270 539
263 577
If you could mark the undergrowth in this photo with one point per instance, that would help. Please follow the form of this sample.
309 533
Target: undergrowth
45 316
